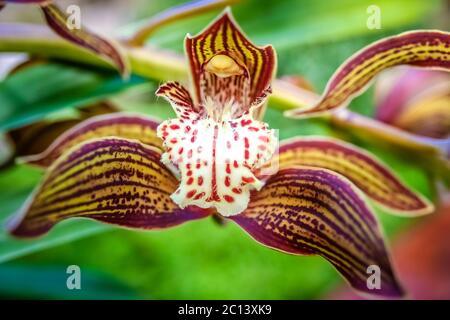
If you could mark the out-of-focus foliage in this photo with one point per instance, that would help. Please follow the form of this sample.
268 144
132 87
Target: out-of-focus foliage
199 259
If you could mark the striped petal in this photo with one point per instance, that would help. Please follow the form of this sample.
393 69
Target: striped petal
180 100
312 211
119 124
225 64
112 180
57 20
426 49
365 171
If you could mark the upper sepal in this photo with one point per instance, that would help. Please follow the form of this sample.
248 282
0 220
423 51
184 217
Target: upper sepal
251 62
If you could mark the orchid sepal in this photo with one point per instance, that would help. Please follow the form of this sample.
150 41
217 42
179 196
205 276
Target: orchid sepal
420 48
112 180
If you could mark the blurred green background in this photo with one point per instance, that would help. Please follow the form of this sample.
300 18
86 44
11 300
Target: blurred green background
198 260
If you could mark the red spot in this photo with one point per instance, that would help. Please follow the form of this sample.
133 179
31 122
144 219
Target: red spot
263 138
200 180
180 151
189 155
228 144
190 181
228 198
189 173
246 143
187 129
236 190
165 134
198 165
246 154
248 179
245 122
188 166
201 194
227 181
236 136
174 126
190 194
235 164
193 139
262 147
228 168
173 140
254 129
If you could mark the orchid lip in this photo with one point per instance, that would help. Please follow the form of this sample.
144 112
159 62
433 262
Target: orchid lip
215 157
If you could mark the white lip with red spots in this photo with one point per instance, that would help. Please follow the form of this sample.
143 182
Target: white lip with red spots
214 154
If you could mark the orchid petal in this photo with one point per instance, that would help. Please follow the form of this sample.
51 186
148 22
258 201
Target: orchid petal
119 124
112 180
312 211
180 99
375 179
426 49
224 38
57 20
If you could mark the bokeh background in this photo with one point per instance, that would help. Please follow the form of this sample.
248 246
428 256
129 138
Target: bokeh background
205 259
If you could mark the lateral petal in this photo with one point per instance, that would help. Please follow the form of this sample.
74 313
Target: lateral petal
312 211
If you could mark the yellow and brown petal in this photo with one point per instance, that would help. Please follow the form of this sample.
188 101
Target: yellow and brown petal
369 174
128 126
423 48
313 211
113 180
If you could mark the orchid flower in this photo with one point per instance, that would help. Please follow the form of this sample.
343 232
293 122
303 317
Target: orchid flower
132 171
417 101
57 20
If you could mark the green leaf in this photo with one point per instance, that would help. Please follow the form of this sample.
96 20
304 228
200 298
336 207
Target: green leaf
30 94
49 282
